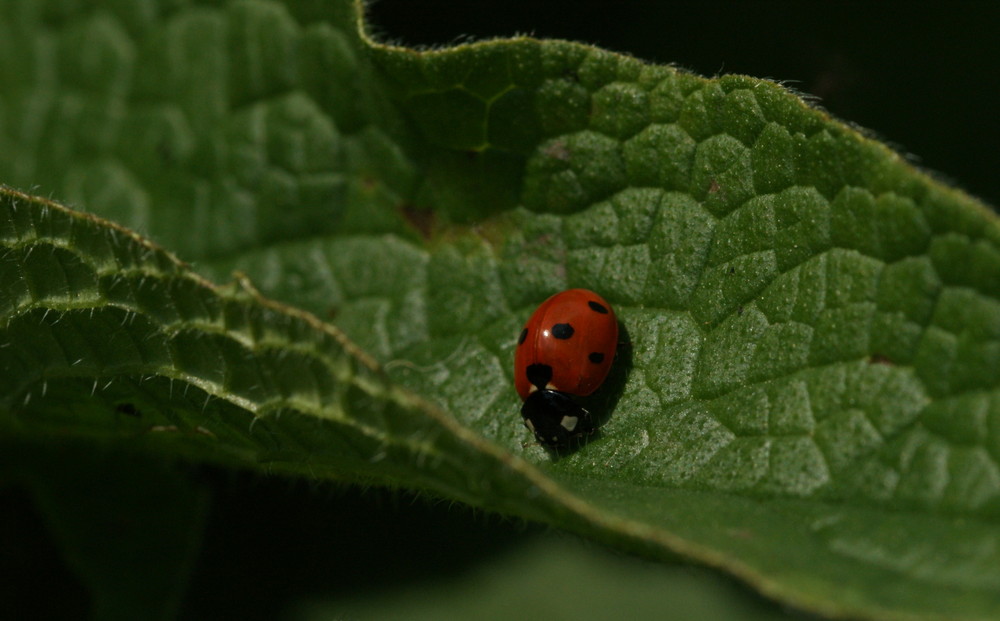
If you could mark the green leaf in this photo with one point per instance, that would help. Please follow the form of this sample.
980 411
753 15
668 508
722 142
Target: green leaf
544 577
808 395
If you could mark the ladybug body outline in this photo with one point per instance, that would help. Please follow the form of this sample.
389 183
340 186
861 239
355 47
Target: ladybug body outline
565 350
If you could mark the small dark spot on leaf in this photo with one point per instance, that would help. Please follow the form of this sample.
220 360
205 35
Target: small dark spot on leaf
420 218
739 311
368 182
166 153
714 187
732 270
128 409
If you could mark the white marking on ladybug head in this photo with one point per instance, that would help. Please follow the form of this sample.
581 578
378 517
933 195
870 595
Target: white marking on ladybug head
569 422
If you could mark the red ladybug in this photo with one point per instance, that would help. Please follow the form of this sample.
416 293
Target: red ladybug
565 350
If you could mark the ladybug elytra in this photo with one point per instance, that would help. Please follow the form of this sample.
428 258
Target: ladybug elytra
565 349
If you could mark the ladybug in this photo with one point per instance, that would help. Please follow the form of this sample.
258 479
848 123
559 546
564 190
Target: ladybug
565 350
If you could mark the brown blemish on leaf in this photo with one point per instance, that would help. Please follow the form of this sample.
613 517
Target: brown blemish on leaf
419 218
880 359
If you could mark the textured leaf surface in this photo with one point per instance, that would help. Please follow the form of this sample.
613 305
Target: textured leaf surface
809 395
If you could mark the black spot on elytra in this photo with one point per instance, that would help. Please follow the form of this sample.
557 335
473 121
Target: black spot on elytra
596 357
597 307
562 331
524 335
539 374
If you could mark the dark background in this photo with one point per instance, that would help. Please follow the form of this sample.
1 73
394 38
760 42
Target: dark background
922 76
